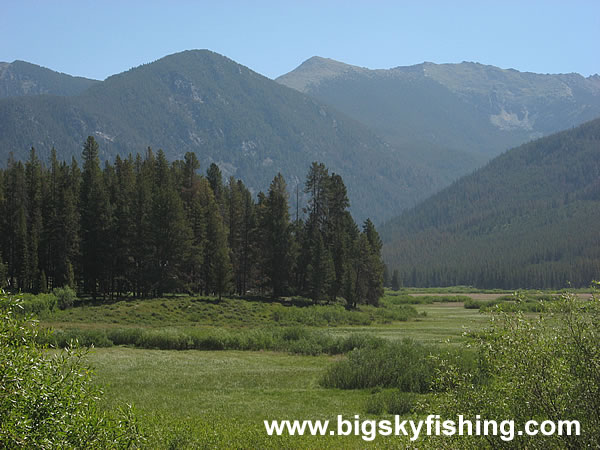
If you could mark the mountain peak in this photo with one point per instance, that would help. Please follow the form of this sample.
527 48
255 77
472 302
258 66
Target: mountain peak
315 70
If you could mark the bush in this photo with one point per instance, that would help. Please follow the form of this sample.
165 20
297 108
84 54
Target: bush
391 402
65 297
47 398
543 368
39 305
404 365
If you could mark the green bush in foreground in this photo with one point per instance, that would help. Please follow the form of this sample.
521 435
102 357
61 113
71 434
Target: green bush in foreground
47 399
538 368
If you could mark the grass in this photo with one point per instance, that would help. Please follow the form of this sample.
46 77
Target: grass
201 311
219 399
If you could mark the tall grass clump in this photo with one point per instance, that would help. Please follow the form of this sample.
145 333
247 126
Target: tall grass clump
392 401
297 339
405 365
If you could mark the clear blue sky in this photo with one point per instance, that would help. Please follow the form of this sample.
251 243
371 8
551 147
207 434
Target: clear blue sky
99 38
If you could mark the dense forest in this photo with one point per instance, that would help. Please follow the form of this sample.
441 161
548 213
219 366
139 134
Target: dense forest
529 219
143 226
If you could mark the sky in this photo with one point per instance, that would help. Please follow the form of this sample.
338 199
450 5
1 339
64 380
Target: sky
96 39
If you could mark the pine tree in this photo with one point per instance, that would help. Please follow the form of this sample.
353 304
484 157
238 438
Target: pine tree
141 246
248 232
215 179
34 217
16 251
396 280
321 271
217 271
386 276
171 235
220 271
340 225
95 222
122 228
277 237
67 229
234 223
374 264
317 186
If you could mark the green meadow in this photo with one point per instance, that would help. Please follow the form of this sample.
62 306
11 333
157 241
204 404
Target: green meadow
206 398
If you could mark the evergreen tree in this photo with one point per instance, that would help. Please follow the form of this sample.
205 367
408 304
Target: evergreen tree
122 229
67 230
16 250
141 245
277 238
321 271
171 235
95 222
215 179
386 276
220 270
340 226
34 218
317 186
248 233
396 280
233 223
217 264
374 266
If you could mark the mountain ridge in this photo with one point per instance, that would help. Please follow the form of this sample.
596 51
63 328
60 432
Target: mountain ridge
22 78
454 117
204 102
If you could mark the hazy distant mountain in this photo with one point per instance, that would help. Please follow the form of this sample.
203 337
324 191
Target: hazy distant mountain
451 117
250 125
22 78
530 218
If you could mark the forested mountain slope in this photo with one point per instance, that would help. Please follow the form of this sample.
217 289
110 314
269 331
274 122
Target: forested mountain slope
451 117
22 78
202 102
530 218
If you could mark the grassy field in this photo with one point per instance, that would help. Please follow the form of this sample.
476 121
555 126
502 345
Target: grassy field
208 399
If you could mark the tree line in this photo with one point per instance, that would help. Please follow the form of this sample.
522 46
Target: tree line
529 219
144 227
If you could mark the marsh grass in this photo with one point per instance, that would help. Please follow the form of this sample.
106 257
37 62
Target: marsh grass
230 312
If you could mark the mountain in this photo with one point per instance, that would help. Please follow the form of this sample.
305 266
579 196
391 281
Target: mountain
529 218
251 126
451 117
22 78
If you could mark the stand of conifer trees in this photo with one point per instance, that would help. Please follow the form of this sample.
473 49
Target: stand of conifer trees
145 227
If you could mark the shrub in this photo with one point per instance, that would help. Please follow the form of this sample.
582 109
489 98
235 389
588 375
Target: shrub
400 403
39 305
544 368
404 365
65 297
47 398
391 402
